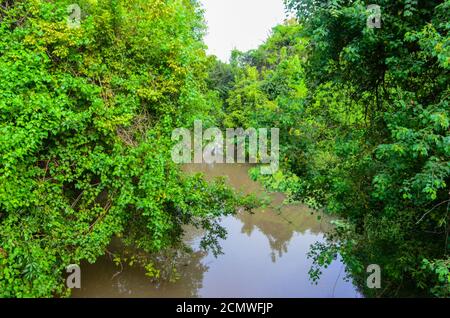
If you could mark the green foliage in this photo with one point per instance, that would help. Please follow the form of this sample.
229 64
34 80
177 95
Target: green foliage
391 176
364 131
86 116
441 269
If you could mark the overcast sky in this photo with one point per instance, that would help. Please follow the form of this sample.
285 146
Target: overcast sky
240 24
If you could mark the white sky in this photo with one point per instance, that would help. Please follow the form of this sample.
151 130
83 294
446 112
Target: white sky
240 24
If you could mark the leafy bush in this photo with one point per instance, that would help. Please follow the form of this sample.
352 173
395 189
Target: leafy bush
364 131
86 116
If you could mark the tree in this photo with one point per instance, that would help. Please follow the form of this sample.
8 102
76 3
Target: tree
399 77
86 115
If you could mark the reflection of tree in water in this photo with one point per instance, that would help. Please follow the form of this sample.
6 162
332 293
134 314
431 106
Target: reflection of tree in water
192 275
279 225
278 233
279 228
181 275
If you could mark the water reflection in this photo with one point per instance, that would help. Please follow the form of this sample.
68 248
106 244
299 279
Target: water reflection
264 256
279 222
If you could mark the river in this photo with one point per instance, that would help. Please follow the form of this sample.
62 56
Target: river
264 255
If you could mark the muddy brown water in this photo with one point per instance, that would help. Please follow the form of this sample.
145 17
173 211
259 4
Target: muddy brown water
265 255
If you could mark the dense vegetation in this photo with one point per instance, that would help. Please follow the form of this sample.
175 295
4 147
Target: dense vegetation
86 116
364 118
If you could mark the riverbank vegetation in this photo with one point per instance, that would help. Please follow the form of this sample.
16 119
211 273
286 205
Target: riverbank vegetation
364 124
86 116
